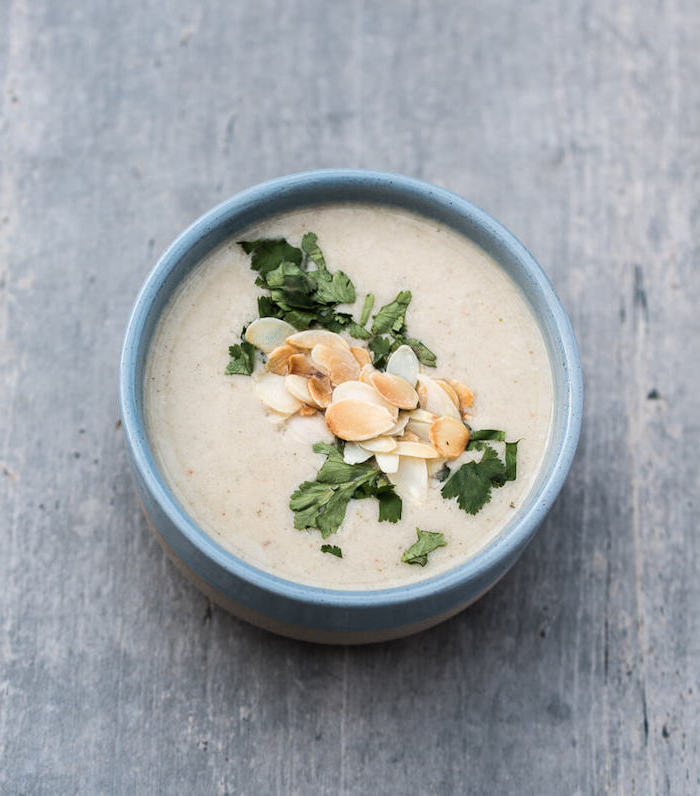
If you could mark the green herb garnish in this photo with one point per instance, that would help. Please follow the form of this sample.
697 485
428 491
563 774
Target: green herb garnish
473 482
389 330
322 503
333 549
418 552
242 360
366 309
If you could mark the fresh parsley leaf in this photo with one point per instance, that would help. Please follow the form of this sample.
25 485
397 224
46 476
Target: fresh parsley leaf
336 289
333 549
392 316
487 434
381 347
267 308
355 330
322 503
418 552
511 456
366 309
309 243
424 354
268 253
242 362
473 482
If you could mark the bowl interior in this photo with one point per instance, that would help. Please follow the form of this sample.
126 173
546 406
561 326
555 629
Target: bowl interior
333 186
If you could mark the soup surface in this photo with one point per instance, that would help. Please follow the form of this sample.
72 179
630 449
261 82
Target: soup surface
233 470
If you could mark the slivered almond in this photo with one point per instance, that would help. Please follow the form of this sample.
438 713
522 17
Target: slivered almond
338 363
362 355
359 391
273 393
307 411
278 359
410 436
301 365
356 420
411 479
434 399
366 373
465 395
395 390
268 333
417 450
297 386
310 338
387 462
449 436
403 362
450 390
319 388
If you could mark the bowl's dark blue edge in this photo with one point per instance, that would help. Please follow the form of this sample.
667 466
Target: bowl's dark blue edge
298 603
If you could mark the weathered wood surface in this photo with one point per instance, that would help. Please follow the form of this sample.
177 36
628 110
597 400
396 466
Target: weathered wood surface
576 123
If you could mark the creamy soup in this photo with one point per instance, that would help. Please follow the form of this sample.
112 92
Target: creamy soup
233 464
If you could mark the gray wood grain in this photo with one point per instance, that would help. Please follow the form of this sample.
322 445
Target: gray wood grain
576 123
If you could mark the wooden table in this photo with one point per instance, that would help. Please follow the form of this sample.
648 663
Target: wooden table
575 123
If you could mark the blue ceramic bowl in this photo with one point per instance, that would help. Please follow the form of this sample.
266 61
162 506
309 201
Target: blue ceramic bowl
326 615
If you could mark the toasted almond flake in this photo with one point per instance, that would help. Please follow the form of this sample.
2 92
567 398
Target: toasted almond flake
358 420
354 454
434 399
309 429
421 416
310 338
419 450
308 411
358 391
464 394
366 373
297 386
268 333
362 355
411 479
403 362
301 365
450 390
319 388
449 437
395 390
387 462
410 436
421 430
381 444
338 363
272 392
278 359
400 425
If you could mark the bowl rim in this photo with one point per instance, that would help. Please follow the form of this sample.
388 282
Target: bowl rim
504 548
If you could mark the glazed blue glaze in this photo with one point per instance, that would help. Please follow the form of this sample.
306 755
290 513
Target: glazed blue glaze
320 608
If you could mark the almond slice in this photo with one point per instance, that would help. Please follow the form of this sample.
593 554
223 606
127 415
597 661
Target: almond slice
354 454
450 390
411 436
358 391
310 338
338 363
434 399
268 333
411 479
357 420
272 392
387 462
465 395
298 387
400 425
381 444
449 436
308 411
395 390
403 362
309 429
421 430
362 355
418 450
278 359
366 373
301 365
319 388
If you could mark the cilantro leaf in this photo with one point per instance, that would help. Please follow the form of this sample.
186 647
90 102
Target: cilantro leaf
336 289
322 503
380 347
488 434
268 253
242 362
418 552
333 549
424 354
392 316
309 243
473 482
